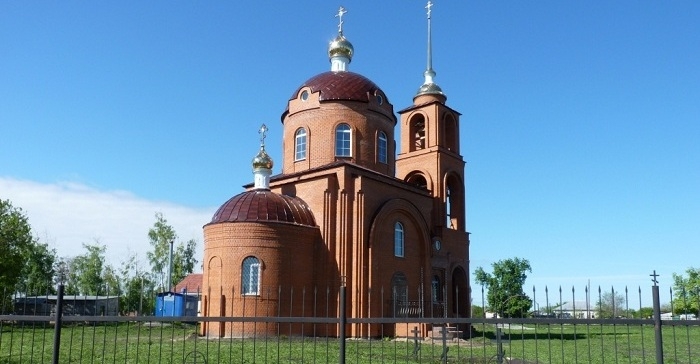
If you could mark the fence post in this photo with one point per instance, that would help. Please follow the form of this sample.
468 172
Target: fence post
657 321
343 322
57 324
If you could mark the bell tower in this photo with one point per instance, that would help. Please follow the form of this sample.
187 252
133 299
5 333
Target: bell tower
429 155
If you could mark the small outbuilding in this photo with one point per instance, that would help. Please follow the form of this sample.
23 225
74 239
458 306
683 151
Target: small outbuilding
72 305
172 304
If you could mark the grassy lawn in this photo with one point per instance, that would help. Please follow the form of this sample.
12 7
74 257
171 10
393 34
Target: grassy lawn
178 343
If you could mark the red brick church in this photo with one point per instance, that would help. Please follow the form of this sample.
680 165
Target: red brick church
347 208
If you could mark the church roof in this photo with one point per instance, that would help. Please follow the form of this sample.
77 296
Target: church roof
340 86
262 205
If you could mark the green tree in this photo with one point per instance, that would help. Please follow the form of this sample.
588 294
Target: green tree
611 304
183 260
112 283
137 288
477 311
15 241
37 276
686 291
85 272
160 237
505 287
643 313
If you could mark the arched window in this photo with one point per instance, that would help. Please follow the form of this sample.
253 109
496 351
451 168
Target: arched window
451 134
418 180
449 208
417 133
342 140
381 147
250 276
454 203
398 240
300 145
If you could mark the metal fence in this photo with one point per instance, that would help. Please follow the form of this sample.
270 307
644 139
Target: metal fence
57 332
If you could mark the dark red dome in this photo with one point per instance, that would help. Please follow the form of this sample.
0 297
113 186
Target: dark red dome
340 86
264 206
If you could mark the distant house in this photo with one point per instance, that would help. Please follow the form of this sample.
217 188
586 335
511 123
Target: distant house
668 316
72 305
568 310
191 285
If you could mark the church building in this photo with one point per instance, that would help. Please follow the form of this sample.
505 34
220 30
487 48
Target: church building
348 209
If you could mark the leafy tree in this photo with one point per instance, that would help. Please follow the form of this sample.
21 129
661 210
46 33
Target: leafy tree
477 311
643 313
85 272
183 260
15 240
611 304
160 237
39 269
137 288
112 284
505 286
686 290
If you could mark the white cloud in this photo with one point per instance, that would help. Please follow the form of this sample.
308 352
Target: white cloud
66 215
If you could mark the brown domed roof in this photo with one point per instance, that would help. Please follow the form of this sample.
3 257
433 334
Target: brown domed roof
264 206
340 86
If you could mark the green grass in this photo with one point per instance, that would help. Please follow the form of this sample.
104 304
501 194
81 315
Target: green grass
178 343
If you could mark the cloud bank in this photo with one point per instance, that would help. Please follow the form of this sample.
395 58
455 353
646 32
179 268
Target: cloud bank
66 215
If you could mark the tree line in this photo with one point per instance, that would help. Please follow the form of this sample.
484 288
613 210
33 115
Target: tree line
506 297
29 266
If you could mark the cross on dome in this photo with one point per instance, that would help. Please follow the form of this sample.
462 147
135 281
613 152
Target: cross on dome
340 49
429 86
263 133
339 15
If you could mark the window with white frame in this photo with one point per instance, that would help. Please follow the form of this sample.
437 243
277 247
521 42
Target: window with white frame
342 140
398 240
300 145
250 276
382 147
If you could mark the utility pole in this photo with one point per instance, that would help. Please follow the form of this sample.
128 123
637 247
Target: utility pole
170 268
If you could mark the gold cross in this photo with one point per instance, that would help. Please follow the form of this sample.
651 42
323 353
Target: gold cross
340 14
262 131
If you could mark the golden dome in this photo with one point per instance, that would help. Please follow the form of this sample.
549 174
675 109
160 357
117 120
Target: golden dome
262 160
342 47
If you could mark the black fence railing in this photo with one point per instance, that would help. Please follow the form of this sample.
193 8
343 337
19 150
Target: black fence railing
417 308
77 330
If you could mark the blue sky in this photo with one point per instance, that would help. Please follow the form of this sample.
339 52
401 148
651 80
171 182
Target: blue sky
580 120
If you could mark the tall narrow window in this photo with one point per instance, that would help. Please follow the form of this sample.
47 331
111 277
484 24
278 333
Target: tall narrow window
451 134
399 293
300 145
436 286
398 240
250 276
448 208
342 140
419 134
454 203
381 147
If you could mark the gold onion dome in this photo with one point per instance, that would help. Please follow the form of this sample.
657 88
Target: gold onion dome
262 160
341 47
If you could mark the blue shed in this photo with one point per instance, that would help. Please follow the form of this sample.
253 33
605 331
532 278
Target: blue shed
176 304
